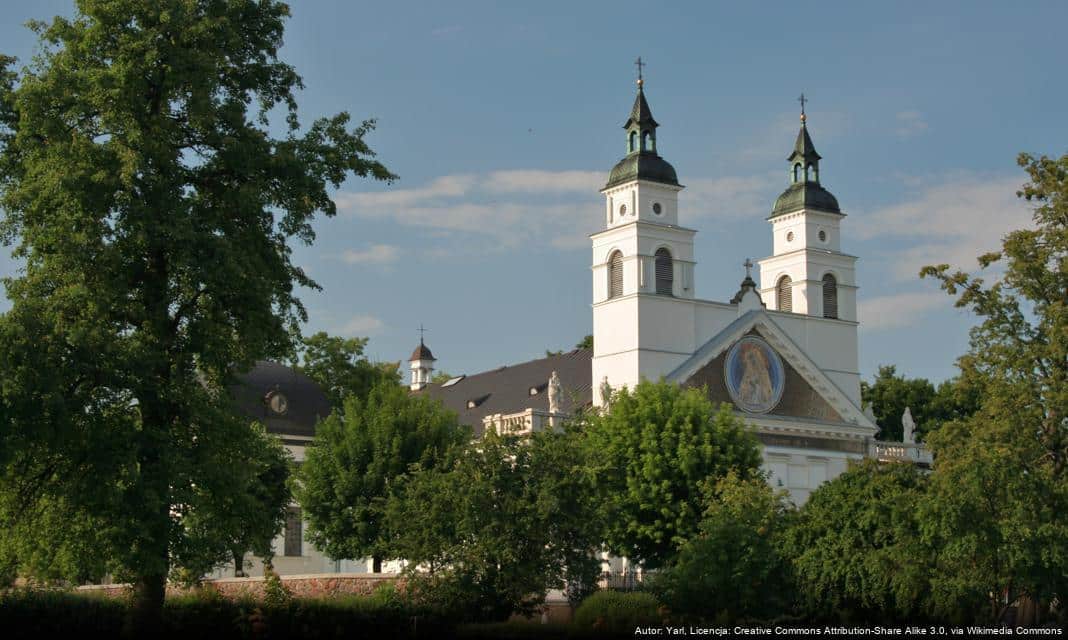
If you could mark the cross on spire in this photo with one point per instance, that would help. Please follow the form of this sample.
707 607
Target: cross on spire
802 100
421 330
748 264
638 63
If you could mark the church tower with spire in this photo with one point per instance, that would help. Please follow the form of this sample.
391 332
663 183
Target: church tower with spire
643 263
807 272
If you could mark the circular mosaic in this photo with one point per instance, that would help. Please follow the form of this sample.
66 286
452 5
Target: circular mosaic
754 374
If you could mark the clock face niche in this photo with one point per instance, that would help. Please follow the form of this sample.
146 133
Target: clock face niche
754 375
277 402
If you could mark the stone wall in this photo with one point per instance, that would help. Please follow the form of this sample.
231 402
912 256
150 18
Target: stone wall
301 586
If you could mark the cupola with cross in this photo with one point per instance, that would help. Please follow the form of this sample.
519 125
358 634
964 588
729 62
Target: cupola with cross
807 272
421 364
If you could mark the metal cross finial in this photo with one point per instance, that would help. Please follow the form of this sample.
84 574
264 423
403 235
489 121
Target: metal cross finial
748 264
421 330
639 64
802 100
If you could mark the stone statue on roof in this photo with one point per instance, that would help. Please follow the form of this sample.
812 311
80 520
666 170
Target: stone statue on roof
606 392
554 393
908 427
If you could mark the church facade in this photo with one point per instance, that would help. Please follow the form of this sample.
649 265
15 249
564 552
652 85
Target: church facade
783 352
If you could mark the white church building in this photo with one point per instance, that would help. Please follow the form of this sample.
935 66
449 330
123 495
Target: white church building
783 352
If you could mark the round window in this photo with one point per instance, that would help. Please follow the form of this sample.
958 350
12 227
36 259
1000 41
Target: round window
656 208
622 209
823 236
277 402
790 236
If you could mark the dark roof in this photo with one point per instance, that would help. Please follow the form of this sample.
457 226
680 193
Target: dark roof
803 147
805 195
305 402
640 113
644 165
422 353
507 389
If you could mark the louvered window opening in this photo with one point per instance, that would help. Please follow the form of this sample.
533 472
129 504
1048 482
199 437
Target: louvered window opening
615 275
665 272
785 294
830 297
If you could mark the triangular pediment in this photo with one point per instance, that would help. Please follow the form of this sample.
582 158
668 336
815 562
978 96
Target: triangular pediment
754 365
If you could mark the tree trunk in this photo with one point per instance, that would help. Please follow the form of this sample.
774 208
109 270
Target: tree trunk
239 564
146 609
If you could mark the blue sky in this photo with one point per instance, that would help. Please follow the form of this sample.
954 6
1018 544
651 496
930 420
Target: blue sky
503 119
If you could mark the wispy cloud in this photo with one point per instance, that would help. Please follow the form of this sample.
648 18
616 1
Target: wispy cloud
381 254
730 197
910 123
560 208
899 310
947 220
359 325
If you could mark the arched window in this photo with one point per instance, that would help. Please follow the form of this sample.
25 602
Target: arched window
646 141
615 275
797 172
784 294
665 272
807 169
830 296
814 172
633 141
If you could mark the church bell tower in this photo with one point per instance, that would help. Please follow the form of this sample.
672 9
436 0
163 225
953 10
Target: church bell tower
807 271
643 263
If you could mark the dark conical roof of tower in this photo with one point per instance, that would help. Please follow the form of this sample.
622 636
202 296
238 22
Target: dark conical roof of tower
640 113
803 148
642 163
422 352
805 192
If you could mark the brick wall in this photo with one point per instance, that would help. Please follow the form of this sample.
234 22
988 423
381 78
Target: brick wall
301 586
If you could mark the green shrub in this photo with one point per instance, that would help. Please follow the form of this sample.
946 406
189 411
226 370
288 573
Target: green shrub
618 612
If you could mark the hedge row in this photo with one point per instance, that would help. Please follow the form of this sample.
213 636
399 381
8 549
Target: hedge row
43 614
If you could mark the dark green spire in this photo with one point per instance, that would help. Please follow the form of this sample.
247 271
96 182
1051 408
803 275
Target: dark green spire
642 161
804 191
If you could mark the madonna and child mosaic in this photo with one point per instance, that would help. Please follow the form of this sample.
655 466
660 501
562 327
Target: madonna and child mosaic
754 375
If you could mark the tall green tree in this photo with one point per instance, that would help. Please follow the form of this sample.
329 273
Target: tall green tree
855 547
507 520
649 455
340 367
154 211
733 568
1022 343
357 455
993 515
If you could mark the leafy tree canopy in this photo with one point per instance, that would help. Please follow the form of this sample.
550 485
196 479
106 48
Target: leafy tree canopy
340 368
358 453
154 211
507 520
890 393
1022 342
732 569
855 546
650 454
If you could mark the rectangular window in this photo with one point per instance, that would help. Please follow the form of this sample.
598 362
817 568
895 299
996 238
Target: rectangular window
294 532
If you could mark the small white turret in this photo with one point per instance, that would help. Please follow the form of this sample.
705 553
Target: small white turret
421 364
